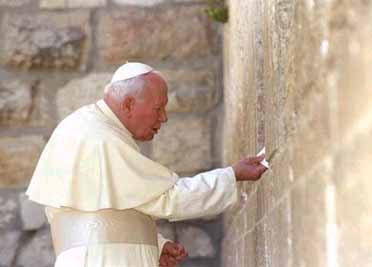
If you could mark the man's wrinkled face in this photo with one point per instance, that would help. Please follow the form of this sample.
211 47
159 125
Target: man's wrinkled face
149 113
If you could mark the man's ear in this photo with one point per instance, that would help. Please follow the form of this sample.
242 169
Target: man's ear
127 105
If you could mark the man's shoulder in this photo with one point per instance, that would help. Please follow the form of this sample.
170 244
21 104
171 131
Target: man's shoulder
83 121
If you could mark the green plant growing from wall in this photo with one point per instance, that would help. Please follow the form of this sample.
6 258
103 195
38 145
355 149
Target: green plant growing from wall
217 10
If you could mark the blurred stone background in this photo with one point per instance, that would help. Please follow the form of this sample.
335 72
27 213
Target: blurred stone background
296 79
57 55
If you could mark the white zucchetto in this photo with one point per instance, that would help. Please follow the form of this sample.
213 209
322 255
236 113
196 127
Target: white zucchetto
130 70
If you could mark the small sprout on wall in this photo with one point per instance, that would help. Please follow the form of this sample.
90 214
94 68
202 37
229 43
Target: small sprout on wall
217 10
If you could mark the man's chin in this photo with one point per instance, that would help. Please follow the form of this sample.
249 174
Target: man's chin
149 137
145 138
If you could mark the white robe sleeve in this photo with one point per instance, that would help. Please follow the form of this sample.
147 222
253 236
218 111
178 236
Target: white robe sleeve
203 195
161 242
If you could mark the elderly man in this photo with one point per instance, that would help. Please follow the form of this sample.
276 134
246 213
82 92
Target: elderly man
102 196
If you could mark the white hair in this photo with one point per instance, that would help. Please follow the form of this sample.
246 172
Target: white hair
120 89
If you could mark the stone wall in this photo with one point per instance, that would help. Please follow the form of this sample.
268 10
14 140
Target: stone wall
298 81
57 55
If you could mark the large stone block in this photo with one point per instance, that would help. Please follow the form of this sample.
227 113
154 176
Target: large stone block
227 254
14 3
240 94
32 214
42 111
38 251
86 3
312 140
179 33
274 184
279 239
191 90
310 217
9 206
51 4
276 44
138 2
235 212
18 158
183 144
350 64
263 258
80 92
196 241
188 1
249 249
250 213
46 40
353 200
8 246
15 101
273 243
25 103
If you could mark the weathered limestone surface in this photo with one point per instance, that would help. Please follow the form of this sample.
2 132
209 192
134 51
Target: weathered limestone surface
14 3
45 40
309 217
18 158
351 81
138 2
80 92
9 241
8 211
52 4
191 90
24 103
188 1
196 241
32 214
300 74
155 34
15 101
40 245
182 151
353 201
239 81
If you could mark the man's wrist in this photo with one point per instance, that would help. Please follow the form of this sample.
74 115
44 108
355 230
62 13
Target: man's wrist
236 173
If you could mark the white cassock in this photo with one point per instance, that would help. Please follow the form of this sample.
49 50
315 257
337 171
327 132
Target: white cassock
102 196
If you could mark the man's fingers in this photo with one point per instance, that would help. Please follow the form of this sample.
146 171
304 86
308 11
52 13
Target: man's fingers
181 253
172 261
163 262
167 261
179 250
261 169
175 253
254 160
181 256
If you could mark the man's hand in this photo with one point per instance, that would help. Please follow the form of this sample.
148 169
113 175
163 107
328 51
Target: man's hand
172 254
249 169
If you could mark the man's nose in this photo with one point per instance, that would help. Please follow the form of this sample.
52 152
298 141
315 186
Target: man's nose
164 117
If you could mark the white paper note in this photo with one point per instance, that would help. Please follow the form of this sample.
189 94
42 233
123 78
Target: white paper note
264 161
